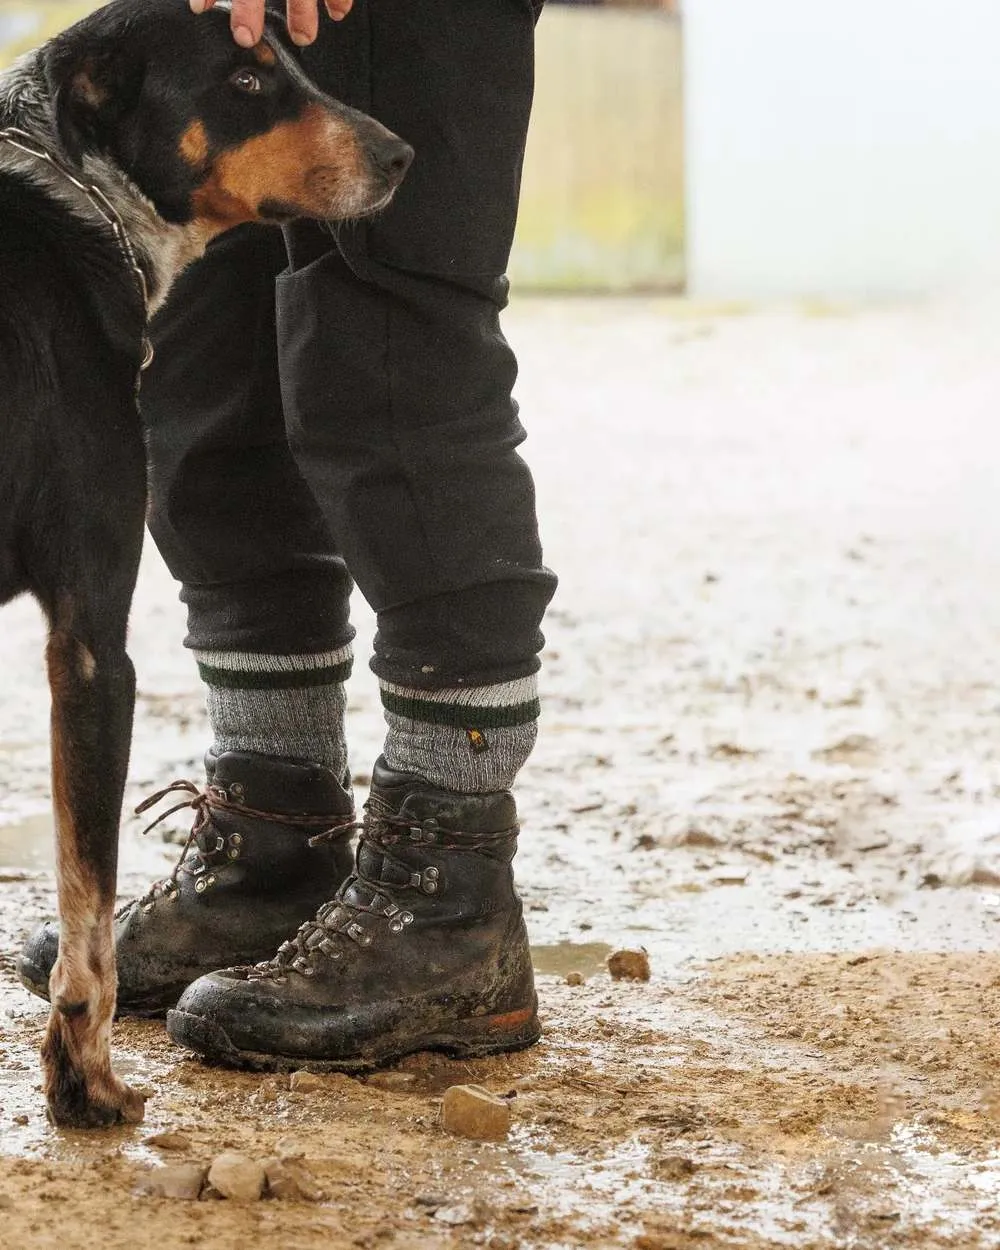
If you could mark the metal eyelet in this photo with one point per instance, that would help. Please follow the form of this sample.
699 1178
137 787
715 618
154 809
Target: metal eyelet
400 922
203 883
148 907
359 933
237 791
427 880
426 831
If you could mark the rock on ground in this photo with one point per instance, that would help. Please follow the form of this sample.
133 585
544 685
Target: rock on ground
629 966
471 1111
237 1177
177 1180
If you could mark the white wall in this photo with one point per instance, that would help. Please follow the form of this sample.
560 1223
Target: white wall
842 148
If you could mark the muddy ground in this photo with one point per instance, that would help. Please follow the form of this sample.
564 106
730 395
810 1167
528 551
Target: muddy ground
769 756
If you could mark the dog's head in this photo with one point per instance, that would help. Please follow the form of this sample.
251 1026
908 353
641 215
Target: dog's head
209 131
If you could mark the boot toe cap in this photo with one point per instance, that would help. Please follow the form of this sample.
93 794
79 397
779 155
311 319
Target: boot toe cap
231 1019
38 957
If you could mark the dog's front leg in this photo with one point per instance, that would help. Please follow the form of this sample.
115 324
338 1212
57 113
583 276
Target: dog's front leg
93 694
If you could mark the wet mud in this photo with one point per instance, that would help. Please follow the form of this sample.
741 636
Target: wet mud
769 758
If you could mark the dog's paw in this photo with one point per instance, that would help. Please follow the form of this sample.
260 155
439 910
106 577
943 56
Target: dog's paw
82 1094
75 1103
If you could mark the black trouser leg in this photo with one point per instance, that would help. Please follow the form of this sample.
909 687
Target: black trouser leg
395 382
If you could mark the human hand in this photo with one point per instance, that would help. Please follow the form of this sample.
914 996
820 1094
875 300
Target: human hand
247 18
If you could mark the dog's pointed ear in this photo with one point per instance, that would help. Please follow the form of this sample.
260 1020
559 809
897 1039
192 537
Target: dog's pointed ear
90 94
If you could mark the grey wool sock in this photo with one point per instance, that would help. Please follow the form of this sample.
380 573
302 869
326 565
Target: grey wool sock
290 706
471 739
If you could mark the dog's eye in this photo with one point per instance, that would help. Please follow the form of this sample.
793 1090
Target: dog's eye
246 80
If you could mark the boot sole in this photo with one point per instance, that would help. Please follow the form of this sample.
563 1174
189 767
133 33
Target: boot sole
473 1038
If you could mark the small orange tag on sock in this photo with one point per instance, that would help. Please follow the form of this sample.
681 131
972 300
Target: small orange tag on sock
477 740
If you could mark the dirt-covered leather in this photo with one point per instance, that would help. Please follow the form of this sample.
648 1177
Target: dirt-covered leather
423 947
248 880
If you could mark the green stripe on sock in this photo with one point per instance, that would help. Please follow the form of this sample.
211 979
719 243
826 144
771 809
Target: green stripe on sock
460 715
272 679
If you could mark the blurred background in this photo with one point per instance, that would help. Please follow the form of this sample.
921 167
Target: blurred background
737 150
756 315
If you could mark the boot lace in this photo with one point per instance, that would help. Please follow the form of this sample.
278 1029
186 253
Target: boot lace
205 847
339 921
344 920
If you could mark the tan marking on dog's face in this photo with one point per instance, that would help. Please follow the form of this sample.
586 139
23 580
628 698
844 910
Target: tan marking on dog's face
264 55
314 164
193 146
85 89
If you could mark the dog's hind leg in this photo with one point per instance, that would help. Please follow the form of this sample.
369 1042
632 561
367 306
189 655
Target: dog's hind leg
93 695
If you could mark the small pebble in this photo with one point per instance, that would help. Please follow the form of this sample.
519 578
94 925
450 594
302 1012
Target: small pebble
291 1181
674 1168
473 1112
461 1213
238 1178
307 1082
575 978
178 1180
169 1141
268 1090
629 965
398 1081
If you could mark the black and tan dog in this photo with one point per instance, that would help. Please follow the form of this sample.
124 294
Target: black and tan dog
126 144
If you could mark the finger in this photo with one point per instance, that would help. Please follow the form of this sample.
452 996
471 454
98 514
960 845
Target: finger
200 6
338 9
303 21
247 22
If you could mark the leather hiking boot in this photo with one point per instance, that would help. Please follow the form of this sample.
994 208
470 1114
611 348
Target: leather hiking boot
248 876
423 948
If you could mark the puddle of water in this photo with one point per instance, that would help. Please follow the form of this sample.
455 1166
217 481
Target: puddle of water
27 1132
562 957
592 1189
28 843
911 1180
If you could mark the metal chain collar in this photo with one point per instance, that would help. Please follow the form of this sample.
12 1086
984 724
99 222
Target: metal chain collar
25 142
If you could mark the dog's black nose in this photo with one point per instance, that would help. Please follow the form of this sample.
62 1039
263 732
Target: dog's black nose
393 157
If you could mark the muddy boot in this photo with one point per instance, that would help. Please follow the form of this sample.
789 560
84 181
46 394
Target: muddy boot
247 878
423 948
